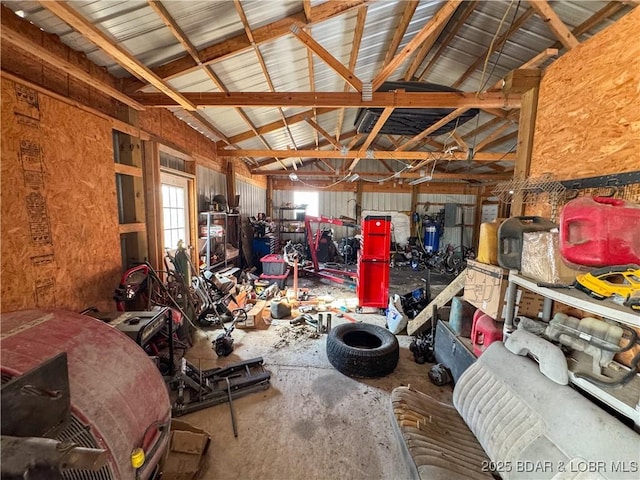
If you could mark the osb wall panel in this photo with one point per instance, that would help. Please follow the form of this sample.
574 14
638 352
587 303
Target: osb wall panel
27 66
59 211
588 121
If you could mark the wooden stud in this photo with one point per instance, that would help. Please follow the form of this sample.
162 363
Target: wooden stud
429 130
525 145
400 29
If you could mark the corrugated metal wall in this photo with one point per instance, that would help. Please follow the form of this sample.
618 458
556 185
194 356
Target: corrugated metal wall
253 199
466 207
209 183
390 202
335 204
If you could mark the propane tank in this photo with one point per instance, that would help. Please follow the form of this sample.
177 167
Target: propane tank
431 232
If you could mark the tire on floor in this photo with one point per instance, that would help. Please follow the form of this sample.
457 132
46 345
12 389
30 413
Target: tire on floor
362 350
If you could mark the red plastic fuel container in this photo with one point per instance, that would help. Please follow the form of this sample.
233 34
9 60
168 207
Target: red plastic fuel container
485 331
600 231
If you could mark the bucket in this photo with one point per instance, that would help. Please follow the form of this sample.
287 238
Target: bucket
488 242
485 331
510 238
600 231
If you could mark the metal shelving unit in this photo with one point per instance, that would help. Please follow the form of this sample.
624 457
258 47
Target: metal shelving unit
283 220
626 399
211 240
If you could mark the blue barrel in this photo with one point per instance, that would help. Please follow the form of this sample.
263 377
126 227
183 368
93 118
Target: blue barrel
431 236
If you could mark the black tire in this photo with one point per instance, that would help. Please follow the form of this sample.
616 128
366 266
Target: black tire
362 350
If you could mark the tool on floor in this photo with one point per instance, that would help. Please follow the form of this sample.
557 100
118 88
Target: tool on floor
223 344
233 414
195 389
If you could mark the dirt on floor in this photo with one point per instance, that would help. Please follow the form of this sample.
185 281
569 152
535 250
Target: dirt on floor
312 422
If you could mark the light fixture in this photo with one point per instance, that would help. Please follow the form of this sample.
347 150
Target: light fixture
353 178
426 178
293 177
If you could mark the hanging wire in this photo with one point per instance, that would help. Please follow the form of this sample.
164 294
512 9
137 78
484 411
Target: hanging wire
490 50
481 85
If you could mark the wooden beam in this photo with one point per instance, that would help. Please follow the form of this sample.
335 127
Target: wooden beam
240 43
400 29
535 62
452 116
273 126
407 176
459 141
123 169
436 22
424 49
521 80
175 29
557 26
19 40
382 119
152 202
605 12
495 46
396 99
308 11
423 319
324 133
501 140
491 137
524 150
79 23
353 58
377 155
329 59
450 36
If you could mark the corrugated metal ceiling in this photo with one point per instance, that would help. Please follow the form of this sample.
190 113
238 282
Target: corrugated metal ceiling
136 27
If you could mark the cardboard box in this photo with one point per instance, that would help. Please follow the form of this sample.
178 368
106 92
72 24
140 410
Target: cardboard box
485 288
254 316
186 453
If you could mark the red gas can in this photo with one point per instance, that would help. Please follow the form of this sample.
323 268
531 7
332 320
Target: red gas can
600 231
485 331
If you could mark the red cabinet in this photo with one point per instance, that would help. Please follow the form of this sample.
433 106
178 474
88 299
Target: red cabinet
372 285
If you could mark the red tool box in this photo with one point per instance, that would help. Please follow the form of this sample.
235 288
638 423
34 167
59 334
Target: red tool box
373 262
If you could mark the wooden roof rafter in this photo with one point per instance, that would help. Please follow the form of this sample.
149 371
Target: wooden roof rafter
382 119
557 26
265 71
240 43
495 46
433 25
450 36
353 58
71 17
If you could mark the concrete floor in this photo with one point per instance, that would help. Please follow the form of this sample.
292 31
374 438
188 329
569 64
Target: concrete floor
313 422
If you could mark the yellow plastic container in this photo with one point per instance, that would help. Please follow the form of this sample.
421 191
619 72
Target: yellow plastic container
488 242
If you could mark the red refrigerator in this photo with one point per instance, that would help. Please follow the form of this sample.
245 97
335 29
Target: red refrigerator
372 285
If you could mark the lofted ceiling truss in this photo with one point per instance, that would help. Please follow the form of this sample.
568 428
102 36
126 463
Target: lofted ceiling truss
278 83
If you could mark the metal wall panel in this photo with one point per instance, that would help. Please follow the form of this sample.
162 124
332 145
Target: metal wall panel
451 235
336 204
209 183
386 202
253 199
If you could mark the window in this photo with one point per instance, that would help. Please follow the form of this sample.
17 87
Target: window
310 199
175 210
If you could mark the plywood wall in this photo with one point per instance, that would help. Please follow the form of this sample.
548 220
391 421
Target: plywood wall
60 240
588 121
